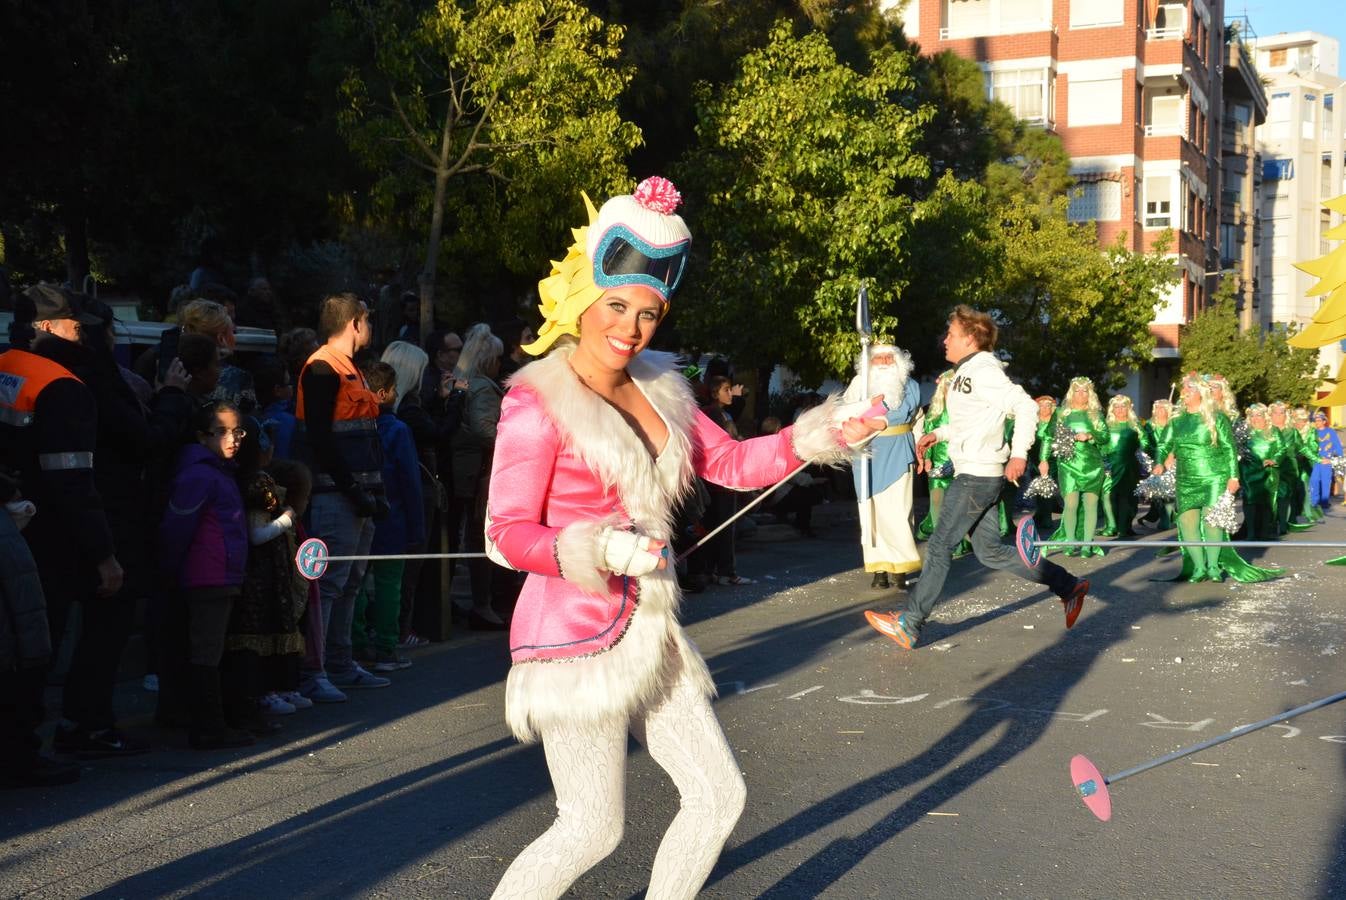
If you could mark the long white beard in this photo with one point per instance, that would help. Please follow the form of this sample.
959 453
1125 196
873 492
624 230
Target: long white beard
889 381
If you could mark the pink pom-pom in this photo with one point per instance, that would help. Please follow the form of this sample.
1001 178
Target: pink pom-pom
658 194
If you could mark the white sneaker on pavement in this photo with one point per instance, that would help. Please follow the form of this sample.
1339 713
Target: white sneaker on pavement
321 690
357 678
296 699
273 704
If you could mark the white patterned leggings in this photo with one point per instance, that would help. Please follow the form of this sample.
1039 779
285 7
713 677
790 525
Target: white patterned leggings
587 763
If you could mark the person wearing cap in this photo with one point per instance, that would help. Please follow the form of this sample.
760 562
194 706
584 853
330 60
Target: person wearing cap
1329 446
886 537
597 442
48 431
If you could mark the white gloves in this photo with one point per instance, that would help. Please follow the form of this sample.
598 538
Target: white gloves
628 553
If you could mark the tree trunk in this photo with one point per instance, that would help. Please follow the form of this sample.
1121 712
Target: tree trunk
427 279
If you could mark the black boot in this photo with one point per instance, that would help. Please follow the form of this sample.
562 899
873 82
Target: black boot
900 581
209 731
880 581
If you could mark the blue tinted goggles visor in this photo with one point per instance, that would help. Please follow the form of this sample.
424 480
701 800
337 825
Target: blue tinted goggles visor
623 258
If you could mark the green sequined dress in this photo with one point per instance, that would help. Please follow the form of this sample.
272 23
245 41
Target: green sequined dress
1203 472
1123 474
1083 472
1260 483
938 455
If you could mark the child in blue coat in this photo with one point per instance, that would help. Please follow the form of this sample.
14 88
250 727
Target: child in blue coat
376 626
1329 446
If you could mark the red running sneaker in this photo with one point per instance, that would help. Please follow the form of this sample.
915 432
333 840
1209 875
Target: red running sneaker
891 626
1075 602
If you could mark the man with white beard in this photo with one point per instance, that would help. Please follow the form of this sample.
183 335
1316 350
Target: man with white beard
885 514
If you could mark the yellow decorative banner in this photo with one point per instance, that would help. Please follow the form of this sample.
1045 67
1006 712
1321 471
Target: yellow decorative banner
1329 322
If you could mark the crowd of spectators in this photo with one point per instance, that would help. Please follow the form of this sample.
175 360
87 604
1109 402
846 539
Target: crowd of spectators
168 496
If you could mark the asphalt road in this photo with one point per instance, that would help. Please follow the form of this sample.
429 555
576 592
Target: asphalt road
871 772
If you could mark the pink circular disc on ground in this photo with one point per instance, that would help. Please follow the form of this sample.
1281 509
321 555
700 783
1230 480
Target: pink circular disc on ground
1026 542
1091 787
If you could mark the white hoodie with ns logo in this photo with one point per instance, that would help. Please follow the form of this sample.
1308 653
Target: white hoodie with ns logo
980 397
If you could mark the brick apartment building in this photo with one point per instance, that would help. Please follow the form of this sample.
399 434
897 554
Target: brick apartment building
1135 90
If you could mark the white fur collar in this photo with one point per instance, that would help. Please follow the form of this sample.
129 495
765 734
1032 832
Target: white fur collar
594 431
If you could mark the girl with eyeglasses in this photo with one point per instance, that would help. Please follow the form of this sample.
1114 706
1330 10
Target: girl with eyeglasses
203 550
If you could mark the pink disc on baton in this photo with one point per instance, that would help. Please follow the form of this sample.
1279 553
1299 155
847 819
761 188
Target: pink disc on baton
311 560
1026 542
1092 787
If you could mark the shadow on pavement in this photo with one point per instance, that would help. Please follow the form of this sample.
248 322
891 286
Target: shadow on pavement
1012 729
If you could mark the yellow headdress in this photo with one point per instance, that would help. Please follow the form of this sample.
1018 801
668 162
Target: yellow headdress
568 291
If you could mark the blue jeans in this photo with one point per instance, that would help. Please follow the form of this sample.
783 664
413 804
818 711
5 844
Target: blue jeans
333 519
967 503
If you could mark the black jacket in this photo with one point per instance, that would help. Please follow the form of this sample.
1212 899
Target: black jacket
70 524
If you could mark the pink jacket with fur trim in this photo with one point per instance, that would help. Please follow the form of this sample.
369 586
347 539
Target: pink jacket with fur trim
566 465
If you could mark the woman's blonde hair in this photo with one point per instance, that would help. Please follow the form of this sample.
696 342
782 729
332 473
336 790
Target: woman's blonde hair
205 317
1229 403
941 392
480 349
409 362
1258 409
1207 408
1130 417
1092 406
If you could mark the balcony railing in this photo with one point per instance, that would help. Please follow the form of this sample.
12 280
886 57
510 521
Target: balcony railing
1174 130
1164 34
946 33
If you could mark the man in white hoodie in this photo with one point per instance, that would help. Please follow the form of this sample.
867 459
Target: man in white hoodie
979 400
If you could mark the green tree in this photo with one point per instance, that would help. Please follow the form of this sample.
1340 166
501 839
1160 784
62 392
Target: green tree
132 130
675 45
1068 308
1212 343
1292 373
513 102
1261 367
795 196
62 92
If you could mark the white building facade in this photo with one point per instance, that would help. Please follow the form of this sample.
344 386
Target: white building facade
1303 149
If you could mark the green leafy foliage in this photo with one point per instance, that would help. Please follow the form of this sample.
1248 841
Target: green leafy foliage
1069 309
1260 368
491 114
794 193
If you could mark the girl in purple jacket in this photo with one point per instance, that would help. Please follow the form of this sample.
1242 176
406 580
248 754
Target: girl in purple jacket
203 545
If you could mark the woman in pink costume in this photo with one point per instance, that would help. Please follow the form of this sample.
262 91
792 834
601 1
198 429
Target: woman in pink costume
597 443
